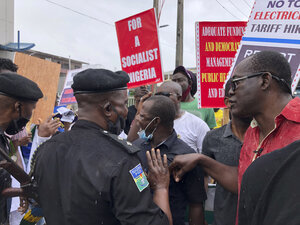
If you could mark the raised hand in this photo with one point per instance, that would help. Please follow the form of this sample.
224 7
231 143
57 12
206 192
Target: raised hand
158 175
49 127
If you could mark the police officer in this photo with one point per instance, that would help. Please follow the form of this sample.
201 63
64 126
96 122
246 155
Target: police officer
91 176
18 97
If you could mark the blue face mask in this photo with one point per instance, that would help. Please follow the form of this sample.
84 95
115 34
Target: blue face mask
142 133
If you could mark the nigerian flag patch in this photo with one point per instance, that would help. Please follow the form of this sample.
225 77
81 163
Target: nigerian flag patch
139 177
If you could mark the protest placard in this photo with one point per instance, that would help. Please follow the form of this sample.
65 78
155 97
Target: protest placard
273 25
216 46
67 96
139 48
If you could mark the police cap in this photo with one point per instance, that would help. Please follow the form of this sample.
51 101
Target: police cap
19 87
99 80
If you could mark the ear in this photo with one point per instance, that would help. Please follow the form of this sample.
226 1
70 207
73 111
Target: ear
226 101
107 109
266 81
179 98
156 121
17 106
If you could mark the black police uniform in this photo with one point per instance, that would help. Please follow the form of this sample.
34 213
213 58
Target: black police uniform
84 178
89 176
5 181
190 190
23 89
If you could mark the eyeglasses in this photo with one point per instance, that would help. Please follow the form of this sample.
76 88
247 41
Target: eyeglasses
167 94
236 81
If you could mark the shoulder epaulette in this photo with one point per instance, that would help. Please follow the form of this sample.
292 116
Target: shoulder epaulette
128 146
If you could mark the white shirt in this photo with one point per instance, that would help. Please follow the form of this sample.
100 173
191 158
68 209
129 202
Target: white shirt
192 130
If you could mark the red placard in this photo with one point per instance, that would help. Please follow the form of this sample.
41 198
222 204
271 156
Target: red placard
139 48
216 46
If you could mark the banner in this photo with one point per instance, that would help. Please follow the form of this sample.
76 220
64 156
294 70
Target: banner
67 97
216 47
139 48
273 25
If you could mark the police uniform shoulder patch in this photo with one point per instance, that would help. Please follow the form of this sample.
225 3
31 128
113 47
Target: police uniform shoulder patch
129 147
139 177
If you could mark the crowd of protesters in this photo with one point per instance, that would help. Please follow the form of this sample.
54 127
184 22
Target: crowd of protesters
151 163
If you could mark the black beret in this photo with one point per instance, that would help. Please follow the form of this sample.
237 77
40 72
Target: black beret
19 87
99 80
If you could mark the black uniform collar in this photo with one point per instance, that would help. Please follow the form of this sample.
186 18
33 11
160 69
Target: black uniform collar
86 124
168 142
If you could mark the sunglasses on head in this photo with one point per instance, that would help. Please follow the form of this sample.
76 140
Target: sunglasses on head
167 94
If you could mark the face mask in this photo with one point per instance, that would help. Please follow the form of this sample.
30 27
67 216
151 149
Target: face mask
142 133
186 93
118 126
15 126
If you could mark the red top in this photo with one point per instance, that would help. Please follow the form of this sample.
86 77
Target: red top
287 130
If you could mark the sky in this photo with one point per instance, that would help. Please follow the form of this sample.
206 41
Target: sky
89 34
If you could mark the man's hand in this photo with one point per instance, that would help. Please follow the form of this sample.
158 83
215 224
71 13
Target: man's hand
23 205
158 176
159 179
142 100
183 164
49 127
24 140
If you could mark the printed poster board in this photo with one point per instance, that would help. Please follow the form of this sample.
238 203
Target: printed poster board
216 46
273 25
139 48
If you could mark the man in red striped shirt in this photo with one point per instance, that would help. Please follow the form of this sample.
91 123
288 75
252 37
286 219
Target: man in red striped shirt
260 89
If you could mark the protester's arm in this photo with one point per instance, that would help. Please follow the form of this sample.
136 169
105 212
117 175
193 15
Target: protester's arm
43 133
196 214
22 141
226 176
23 206
134 127
48 128
159 179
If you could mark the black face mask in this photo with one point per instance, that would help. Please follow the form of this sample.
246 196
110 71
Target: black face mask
15 126
118 126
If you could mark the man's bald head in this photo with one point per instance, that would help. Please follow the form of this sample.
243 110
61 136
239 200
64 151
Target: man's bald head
170 86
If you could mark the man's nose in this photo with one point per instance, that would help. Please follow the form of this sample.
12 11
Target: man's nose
231 92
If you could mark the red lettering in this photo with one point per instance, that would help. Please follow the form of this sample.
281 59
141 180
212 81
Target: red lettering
267 14
68 91
294 16
284 15
256 15
273 15
278 16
